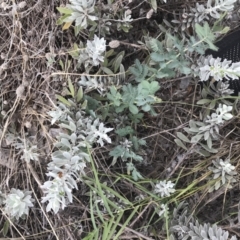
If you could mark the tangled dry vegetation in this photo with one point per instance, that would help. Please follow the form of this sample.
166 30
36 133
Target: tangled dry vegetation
32 47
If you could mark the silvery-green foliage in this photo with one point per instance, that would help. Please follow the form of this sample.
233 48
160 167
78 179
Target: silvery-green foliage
126 144
169 59
93 54
126 151
164 188
217 68
30 153
224 173
71 155
209 128
82 10
60 113
179 223
26 146
58 191
221 89
184 227
17 203
87 130
124 24
195 15
95 50
98 133
202 12
207 232
135 98
220 116
68 163
100 83
214 8
136 175
163 210
105 28
212 94
171 56
93 82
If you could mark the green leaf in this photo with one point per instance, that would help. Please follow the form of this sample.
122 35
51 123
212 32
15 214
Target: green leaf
136 175
225 30
66 142
196 138
122 132
136 117
85 104
61 20
136 143
114 96
203 101
107 70
77 30
133 156
209 142
92 103
130 93
64 10
5 228
218 25
109 53
211 150
192 124
155 45
63 100
79 94
133 109
206 35
202 152
180 144
161 74
146 108
72 102
183 137
120 108
157 57
71 88
154 5
118 151
212 104
142 142
140 71
74 51
145 88
117 63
